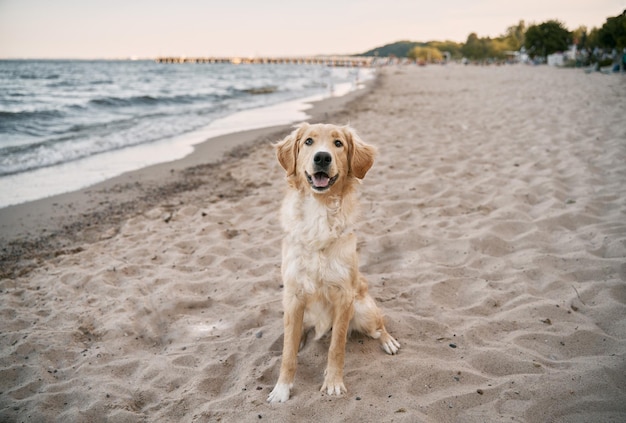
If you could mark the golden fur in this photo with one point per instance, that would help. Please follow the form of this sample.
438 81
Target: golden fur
323 287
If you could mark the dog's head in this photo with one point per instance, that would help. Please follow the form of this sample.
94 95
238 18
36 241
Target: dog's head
324 157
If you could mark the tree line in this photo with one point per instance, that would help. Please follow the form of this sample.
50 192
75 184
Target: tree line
537 40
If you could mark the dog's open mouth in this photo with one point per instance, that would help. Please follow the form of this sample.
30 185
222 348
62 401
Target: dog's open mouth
320 181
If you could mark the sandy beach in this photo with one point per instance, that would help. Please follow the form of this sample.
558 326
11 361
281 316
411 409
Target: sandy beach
493 235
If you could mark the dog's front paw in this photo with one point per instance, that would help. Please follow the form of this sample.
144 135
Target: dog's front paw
280 393
333 386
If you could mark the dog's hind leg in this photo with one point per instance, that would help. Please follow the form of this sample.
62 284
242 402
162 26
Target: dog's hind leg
368 319
305 336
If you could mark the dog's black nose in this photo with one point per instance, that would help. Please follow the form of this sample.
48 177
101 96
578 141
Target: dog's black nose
322 158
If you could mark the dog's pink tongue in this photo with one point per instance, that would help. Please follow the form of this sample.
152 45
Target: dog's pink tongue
320 180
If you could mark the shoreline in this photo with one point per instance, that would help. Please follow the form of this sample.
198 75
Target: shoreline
52 226
176 142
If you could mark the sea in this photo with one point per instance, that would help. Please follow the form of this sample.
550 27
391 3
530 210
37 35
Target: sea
68 124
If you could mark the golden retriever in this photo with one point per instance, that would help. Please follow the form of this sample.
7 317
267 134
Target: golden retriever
323 287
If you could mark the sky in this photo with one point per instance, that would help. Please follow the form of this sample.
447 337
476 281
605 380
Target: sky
149 28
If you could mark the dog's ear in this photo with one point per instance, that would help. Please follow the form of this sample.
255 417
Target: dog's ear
287 149
360 155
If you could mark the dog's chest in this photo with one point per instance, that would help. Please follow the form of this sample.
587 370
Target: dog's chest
319 247
314 223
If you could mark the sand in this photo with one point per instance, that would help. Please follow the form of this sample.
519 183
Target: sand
493 235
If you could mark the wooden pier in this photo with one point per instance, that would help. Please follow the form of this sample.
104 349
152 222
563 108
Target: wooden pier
339 61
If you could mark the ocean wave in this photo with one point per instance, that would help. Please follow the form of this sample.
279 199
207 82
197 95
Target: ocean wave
36 76
12 158
23 158
84 140
24 115
265 89
123 102
35 123
148 100
66 83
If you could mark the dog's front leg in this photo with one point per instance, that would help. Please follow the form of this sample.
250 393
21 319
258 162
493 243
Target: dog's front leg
294 313
333 380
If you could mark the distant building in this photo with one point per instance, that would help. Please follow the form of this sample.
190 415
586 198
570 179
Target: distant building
559 59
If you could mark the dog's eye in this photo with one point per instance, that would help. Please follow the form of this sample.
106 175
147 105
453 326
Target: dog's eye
309 141
338 144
